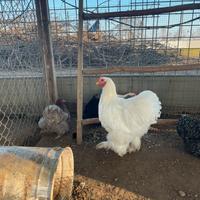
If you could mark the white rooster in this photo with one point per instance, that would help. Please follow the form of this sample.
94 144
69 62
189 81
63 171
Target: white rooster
125 120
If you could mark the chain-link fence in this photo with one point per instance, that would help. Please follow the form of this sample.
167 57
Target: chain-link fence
21 79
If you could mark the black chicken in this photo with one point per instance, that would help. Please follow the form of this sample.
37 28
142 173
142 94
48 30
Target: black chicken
91 108
188 129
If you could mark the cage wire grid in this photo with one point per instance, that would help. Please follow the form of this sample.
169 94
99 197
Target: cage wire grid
168 38
21 78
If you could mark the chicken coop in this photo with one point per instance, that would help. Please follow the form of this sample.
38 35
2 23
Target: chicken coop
55 49
141 50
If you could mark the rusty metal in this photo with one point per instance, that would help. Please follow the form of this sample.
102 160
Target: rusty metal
154 11
141 69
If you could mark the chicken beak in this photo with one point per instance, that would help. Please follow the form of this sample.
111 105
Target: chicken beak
97 83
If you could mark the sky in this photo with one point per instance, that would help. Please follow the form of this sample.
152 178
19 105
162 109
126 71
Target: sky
58 9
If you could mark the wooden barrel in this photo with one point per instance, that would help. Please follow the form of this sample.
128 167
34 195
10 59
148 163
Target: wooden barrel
32 173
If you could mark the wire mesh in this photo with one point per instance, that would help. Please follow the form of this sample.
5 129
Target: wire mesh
64 26
166 39
170 38
22 87
154 40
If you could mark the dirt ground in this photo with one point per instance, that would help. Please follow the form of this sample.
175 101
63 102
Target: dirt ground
161 170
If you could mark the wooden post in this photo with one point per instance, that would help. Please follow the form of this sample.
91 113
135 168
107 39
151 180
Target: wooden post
43 22
161 122
80 75
141 69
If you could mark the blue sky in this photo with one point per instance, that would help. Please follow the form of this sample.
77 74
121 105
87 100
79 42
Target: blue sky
60 11
138 4
71 13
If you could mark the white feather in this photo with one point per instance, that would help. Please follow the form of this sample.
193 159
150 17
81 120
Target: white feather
126 120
